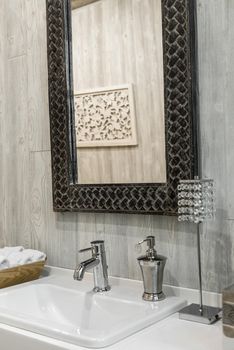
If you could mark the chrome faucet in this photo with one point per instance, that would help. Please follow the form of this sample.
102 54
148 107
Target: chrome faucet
97 263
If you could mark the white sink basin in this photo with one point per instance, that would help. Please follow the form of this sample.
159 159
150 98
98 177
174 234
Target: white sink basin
58 307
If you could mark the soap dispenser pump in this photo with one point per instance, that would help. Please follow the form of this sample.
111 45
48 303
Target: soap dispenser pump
152 267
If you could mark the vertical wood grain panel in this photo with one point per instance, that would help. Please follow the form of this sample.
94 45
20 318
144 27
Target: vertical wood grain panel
2 115
53 233
26 215
213 92
229 108
16 29
16 154
15 123
216 75
39 133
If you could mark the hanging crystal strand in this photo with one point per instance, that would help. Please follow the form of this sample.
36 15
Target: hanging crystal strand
195 200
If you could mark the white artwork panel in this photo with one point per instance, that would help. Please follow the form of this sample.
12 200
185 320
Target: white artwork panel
105 117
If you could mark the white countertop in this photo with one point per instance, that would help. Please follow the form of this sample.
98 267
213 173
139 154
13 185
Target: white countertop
168 334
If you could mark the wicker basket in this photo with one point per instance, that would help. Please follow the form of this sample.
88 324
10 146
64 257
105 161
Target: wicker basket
20 274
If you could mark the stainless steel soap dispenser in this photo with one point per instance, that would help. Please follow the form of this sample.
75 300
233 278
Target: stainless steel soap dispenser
152 267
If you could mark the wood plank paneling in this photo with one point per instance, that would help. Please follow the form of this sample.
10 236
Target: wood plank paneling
26 215
213 92
2 116
16 152
229 108
16 29
15 158
39 132
216 76
50 231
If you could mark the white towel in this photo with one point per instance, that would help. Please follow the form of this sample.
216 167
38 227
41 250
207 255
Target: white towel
4 263
27 256
6 251
18 258
35 255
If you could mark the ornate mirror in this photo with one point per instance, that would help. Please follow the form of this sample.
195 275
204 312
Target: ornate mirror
122 92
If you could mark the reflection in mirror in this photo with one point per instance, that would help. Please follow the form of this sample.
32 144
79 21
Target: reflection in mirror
119 91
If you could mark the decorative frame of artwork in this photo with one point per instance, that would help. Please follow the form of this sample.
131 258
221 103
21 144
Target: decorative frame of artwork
181 126
79 3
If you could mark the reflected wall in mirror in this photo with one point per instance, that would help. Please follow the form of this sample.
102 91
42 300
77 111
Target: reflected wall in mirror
122 84
117 44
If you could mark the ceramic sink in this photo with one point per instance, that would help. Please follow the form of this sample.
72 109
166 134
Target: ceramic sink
68 310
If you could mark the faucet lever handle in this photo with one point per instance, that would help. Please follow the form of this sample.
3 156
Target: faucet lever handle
93 250
85 250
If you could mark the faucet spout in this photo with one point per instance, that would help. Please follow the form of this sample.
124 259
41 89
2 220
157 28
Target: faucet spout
98 264
83 267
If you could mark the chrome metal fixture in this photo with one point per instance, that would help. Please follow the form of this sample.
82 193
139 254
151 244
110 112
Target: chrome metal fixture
152 267
196 204
97 263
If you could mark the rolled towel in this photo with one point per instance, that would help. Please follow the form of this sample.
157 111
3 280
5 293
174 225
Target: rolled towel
27 256
6 251
18 258
4 263
35 255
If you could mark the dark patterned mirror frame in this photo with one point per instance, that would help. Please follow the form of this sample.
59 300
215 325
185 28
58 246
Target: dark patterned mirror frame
180 90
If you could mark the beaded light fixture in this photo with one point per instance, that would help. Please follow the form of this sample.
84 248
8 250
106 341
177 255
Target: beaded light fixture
196 200
195 205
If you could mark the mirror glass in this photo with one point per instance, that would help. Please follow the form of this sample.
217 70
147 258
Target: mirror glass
118 77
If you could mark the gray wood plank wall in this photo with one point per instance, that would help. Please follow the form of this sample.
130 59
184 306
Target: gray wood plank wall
26 215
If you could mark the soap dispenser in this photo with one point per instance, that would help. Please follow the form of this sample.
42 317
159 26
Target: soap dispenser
152 267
